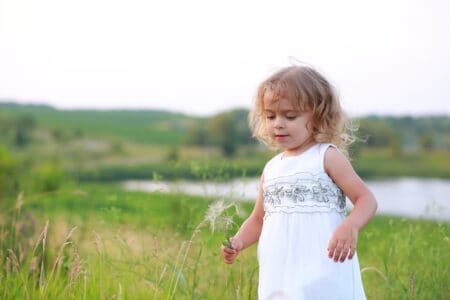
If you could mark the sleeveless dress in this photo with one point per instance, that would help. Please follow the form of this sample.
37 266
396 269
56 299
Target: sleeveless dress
303 207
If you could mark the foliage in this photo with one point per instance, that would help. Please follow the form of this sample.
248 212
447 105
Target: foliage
48 177
377 163
382 131
228 130
97 241
222 132
162 127
173 169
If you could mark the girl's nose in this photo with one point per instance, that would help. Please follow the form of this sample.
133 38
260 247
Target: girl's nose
279 123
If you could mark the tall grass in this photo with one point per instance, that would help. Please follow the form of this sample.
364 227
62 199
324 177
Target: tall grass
115 262
104 243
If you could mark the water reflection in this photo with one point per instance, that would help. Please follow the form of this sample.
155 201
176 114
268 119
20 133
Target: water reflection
409 197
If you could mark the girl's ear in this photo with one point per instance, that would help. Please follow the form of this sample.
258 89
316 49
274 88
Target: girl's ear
310 124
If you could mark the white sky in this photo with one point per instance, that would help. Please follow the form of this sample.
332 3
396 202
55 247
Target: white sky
202 57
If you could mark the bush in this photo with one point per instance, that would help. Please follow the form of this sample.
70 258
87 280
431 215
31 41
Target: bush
48 177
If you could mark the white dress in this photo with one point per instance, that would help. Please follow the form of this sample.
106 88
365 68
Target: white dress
303 207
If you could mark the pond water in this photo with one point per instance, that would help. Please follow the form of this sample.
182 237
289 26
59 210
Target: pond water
408 197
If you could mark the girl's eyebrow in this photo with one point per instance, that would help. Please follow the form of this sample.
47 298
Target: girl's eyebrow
283 111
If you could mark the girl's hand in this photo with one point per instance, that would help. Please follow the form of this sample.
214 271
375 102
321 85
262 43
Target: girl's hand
343 242
229 254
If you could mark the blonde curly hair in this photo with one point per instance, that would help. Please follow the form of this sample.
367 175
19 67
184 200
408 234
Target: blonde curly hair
307 90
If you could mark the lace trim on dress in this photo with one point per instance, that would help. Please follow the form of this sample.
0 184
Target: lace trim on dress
303 192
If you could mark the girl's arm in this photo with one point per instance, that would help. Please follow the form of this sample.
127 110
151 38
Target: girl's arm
249 232
251 228
343 241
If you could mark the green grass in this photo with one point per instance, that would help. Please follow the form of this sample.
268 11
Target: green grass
405 259
371 163
133 245
194 169
381 163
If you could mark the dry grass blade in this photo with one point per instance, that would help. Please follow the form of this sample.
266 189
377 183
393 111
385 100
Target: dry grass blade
76 268
13 261
42 236
19 202
60 254
119 295
375 270
42 239
99 246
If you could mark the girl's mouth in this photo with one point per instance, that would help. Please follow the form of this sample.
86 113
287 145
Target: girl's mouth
279 137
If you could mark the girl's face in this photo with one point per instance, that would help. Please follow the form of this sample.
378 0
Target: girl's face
287 126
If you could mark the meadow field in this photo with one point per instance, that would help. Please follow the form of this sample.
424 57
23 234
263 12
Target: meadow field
68 230
96 241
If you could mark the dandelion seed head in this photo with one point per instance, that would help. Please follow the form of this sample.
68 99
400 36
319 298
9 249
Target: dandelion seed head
215 215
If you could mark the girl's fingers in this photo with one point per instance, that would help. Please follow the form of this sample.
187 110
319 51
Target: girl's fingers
352 250
343 248
353 246
338 250
229 259
228 254
345 252
228 250
331 247
352 253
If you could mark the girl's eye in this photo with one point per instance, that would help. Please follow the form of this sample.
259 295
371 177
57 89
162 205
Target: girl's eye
270 117
291 117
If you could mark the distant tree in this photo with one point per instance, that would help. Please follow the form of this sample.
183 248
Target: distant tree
173 154
24 126
222 132
78 133
243 134
376 133
355 148
396 147
59 135
426 141
3 123
5 164
21 138
26 121
48 177
197 134
227 130
117 147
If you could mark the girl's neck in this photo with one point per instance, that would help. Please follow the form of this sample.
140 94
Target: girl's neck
300 149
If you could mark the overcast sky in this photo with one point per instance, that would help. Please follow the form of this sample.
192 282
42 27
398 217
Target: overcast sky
202 57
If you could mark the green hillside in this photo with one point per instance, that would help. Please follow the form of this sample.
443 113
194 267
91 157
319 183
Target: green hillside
140 126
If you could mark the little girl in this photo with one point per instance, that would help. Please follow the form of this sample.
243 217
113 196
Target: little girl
307 245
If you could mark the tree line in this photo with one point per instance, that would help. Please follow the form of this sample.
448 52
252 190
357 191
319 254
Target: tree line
229 131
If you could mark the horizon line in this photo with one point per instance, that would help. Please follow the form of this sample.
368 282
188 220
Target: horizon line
13 102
